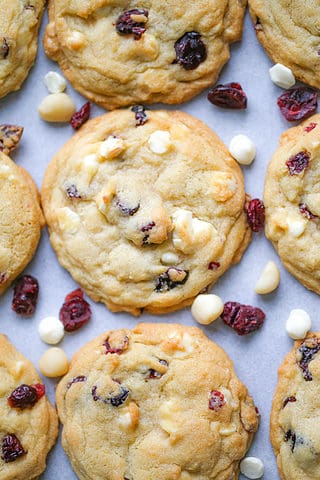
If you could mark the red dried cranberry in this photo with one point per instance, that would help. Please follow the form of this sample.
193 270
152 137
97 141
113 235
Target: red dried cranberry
290 435
147 228
115 398
40 389
72 191
310 127
213 266
216 400
119 349
306 212
127 210
24 396
229 95
190 50
289 400
243 319
81 116
140 114
126 25
297 163
168 280
297 103
11 448
255 214
80 378
75 312
308 350
25 295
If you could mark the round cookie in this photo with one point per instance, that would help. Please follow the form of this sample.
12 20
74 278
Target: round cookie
121 53
161 401
21 220
147 216
28 423
19 25
295 418
292 201
288 31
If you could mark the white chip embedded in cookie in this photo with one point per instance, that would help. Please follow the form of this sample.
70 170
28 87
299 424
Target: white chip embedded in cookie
145 227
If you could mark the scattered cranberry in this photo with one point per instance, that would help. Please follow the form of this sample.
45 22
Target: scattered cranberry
310 127
140 114
308 349
213 266
127 210
229 95
115 399
81 116
11 448
25 295
171 278
118 349
154 374
290 435
75 312
26 395
297 103
243 319
297 163
306 212
289 400
80 378
147 228
216 400
190 50
72 191
255 214
126 25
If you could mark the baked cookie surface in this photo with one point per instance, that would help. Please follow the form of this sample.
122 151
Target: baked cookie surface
28 423
122 53
21 220
19 26
288 31
292 200
145 217
295 419
161 401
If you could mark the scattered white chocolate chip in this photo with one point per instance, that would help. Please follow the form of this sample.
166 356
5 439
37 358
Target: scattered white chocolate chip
223 186
298 324
111 147
269 279
206 308
159 141
189 232
169 258
252 467
51 330
55 82
57 107
89 166
242 149
54 363
76 40
69 221
282 76
296 227
168 411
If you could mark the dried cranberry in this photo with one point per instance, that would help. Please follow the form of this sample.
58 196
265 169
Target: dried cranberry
127 210
297 163
25 295
290 435
25 396
140 114
72 191
308 349
115 398
75 312
306 212
297 103
229 95
147 228
119 349
154 374
4 49
213 266
255 214
216 400
81 116
190 50
243 319
80 378
289 400
127 25
11 448
171 278
310 127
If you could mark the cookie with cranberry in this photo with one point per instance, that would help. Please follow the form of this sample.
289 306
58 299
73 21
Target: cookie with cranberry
21 220
145 209
118 54
28 423
295 418
289 33
19 25
292 202
161 401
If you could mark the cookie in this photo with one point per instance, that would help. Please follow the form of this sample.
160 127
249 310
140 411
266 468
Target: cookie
119 54
295 412
161 401
19 25
21 220
28 423
292 201
288 32
145 209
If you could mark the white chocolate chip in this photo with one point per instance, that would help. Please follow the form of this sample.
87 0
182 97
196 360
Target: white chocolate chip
54 363
55 82
269 279
169 258
298 324
206 308
296 227
89 166
51 330
252 467
57 107
159 141
76 40
226 431
282 76
168 411
189 232
242 149
111 147
69 221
